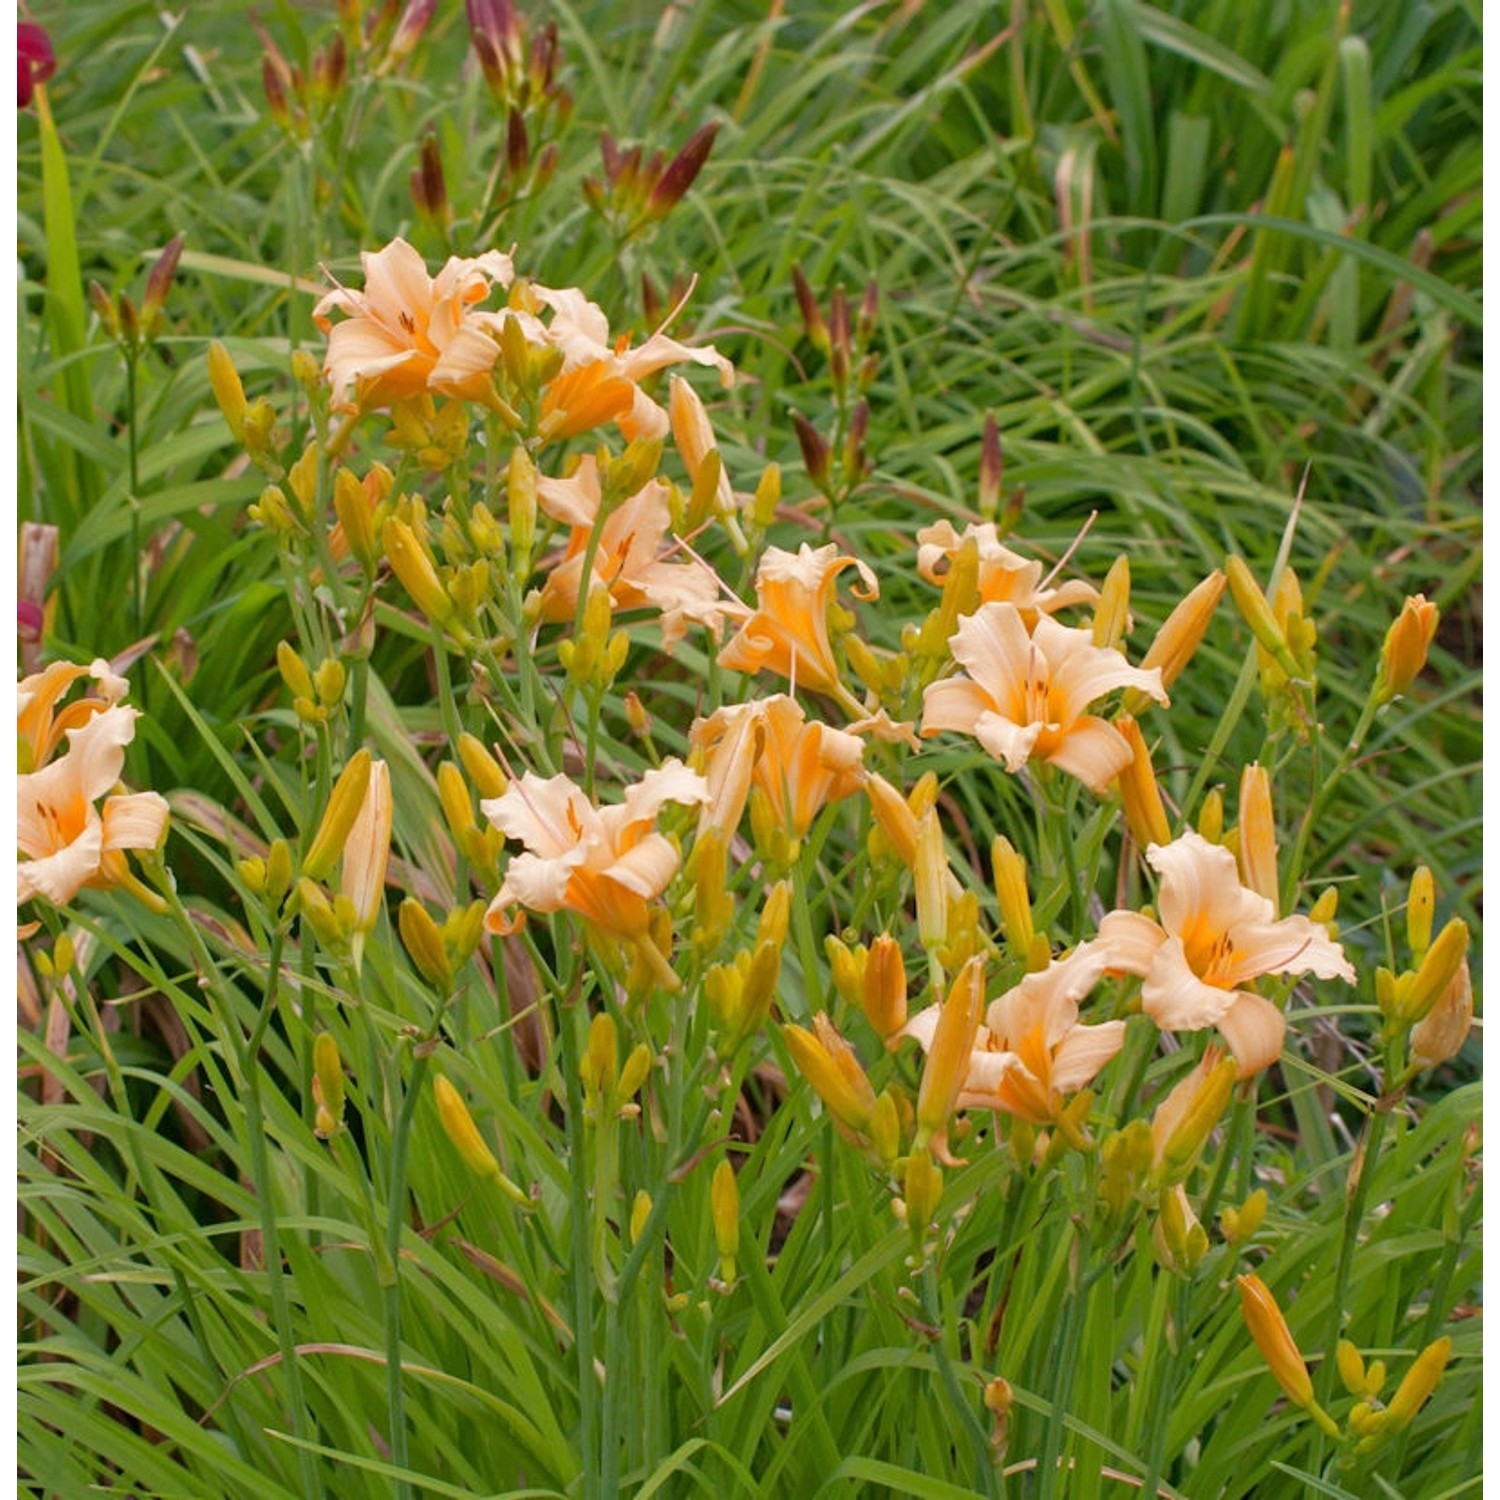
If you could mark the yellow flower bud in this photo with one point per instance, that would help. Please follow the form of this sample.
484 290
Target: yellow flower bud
294 670
599 1067
633 1074
318 913
1012 894
922 1189
1205 1109
1325 909
1257 844
640 1211
367 849
1145 815
459 1126
328 1080
302 481
847 967
894 816
1257 614
1211 816
827 1061
463 931
708 869
883 992
1418 1384
259 426
453 796
885 1129
767 496
423 941
1438 970
947 1063
228 391
1179 637
1112 612
344 805
931 870
1404 652
484 770
724 1208
1445 1028
1351 1368
520 492
1239 1224
1182 1241
415 570
1279 1349
329 680
775 915
1420 904
352 507
252 873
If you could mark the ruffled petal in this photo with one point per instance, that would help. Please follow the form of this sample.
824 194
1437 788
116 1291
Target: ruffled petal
1174 996
1254 1029
1094 751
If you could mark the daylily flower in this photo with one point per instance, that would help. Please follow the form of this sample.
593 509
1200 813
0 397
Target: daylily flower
40 724
1032 1049
630 558
604 863
1026 695
788 633
769 743
1004 576
1213 936
597 364
68 842
407 334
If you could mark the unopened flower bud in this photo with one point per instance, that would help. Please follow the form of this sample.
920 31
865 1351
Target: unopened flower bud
1112 612
1403 653
458 1124
352 508
1417 1384
1421 901
1445 1028
884 991
328 1072
1257 614
423 941
1438 970
922 1190
1140 795
1257 829
1279 1349
947 1063
724 1208
640 1212
1211 816
415 570
344 804
1011 893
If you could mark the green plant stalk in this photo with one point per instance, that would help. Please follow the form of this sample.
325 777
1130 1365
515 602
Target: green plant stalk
985 1470
395 1223
1065 1351
1165 1368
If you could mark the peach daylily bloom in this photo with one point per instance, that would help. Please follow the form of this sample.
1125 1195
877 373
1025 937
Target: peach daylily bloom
407 334
788 633
67 841
367 851
41 725
1004 576
1026 695
1032 1048
1212 936
604 863
769 743
631 558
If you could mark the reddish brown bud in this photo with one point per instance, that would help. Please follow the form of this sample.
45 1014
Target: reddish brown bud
681 174
991 468
812 314
814 450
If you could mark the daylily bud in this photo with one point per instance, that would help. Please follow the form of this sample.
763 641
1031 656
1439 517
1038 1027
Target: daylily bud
601 1059
884 989
344 804
329 681
293 670
463 931
328 1074
429 189
640 1211
895 817
775 915
1351 1368
1204 1111
1112 613
681 172
1420 903
458 1124
1438 970
1444 1029
1239 1224
931 870
814 451
415 570
724 1208
1257 827
922 1189
1404 651
1141 797
767 496
991 468
713 907
847 967
1417 1384
317 912
826 1060
947 1063
1258 615
1179 637
159 283
104 306
1011 892
1211 816
367 851
885 1129
1181 1240
1279 1349
352 508
423 942
484 770
633 1073
457 804
1325 909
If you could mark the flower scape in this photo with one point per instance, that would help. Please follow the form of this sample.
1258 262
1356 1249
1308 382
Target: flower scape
649 973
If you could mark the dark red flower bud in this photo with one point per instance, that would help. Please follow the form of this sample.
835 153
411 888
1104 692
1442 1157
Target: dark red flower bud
35 60
680 175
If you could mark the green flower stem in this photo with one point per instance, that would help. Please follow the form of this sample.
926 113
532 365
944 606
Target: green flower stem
1211 762
1161 1369
987 1479
1065 1354
395 1223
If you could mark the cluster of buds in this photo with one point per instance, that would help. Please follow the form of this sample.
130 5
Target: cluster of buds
639 191
609 1088
135 330
439 952
740 993
838 463
1370 1421
1285 639
253 424
1431 1003
297 101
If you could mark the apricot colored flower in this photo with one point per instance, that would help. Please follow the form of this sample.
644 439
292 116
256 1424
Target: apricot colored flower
596 363
632 557
67 841
788 633
1004 576
407 334
1032 1048
40 724
1213 935
604 863
1026 694
769 743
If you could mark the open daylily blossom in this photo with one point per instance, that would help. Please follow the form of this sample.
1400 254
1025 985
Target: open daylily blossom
597 364
1026 694
40 724
769 743
632 558
1004 576
67 841
788 633
1212 936
604 863
1032 1049
408 334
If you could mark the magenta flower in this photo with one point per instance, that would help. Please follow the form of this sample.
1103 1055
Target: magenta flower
35 60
